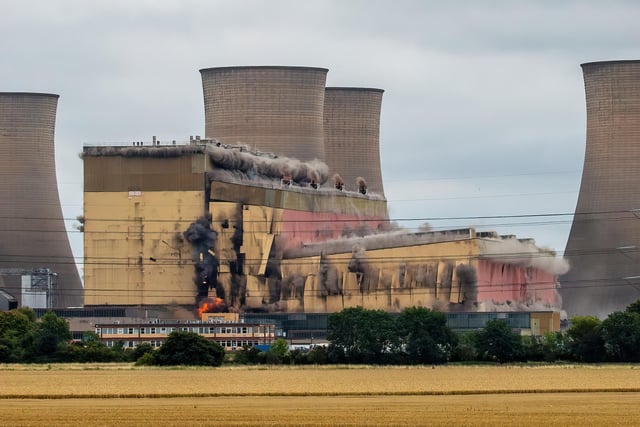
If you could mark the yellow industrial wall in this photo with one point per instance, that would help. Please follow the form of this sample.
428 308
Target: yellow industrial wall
124 232
261 229
543 322
385 291
309 201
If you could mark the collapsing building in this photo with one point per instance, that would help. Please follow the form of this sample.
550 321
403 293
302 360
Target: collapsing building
603 245
268 244
258 214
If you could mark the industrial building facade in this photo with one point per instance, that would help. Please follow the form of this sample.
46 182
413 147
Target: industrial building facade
224 329
280 208
261 214
282 246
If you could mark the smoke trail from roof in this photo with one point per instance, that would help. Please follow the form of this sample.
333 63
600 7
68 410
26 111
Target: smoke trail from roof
524 253
362 185
271 167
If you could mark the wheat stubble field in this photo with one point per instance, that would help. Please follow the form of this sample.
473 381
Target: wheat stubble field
123 395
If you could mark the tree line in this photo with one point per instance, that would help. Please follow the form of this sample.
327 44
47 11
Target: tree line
355 335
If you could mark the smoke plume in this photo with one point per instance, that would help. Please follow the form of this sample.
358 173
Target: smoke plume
360 265
524 253
260 165
468 279
202 239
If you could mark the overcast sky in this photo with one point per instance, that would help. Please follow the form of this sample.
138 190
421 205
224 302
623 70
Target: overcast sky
483 113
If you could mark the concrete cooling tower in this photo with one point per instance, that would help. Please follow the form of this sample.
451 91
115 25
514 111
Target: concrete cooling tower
270 108
32 231
352 135
604 244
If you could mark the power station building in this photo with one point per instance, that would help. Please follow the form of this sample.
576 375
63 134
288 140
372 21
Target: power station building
279 208
176 225
32 232
604 243
260 214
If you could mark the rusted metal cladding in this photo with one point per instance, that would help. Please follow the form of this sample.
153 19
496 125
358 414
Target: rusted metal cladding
604 243
272 109
352 135
32 231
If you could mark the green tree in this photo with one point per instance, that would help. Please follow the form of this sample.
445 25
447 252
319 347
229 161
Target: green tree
634 307
361 336
498 342
466 348
140 350
318 355
621 336
16 329
554 347
247 355
585 342
424 335
49 337
278 352
15 323
532 348
189 348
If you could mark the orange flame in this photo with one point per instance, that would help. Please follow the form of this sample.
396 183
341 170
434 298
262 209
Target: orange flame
212 305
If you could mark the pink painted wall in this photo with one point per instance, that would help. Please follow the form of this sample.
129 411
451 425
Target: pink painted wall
499 282
301 227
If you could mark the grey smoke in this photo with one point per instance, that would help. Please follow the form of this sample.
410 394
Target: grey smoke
360 265
202 239
142 151
258 166
468 279
524 253
328 275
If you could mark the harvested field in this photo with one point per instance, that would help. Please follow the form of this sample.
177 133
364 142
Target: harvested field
451 395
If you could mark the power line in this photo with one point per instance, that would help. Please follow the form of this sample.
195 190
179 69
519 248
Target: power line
440 218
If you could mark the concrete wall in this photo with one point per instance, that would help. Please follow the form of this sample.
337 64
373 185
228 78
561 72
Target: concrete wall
134 252
271 108
32 229
352 135
605 219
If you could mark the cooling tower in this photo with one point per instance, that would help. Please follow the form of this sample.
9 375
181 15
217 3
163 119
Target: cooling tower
32 231
604 243
270 108
351 135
